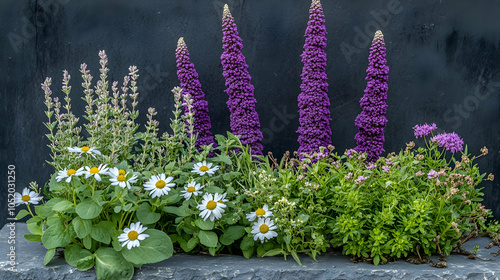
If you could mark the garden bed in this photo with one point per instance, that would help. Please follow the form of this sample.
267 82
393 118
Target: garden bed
29 265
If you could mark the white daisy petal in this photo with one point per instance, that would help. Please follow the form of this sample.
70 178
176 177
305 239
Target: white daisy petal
132 236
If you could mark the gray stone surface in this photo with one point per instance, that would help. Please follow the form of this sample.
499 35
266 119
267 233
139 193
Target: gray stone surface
29 265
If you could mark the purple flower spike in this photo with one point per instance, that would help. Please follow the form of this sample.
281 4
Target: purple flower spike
423 130
189 82
450 141
244 119
371 122
314 113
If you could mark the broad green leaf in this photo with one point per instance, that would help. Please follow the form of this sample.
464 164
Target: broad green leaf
376 260
204 225
247 243
146 215
62 206
88 209
82 226
74 254
87 242
155 248
208 238
100 234
57 236
85 263
303 217
191 244
33 237
181 211
214 189
212 250
234 232
111 265
225 241
21 214
248 252
55 186
48 256
35 228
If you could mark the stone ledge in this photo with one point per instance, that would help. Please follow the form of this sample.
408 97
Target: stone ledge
29 265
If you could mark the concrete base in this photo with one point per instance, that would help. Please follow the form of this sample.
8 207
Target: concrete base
29 265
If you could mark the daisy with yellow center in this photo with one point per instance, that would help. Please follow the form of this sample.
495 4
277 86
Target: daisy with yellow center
84 150
131 236
223 198
210 207
260 213
96 171
191 189
68 174
159 185
264 229
203 168
119 178
26 197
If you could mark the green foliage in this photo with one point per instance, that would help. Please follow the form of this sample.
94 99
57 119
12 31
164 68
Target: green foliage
416 202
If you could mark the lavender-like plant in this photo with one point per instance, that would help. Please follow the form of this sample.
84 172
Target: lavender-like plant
371 122
314 113
244 119
191 85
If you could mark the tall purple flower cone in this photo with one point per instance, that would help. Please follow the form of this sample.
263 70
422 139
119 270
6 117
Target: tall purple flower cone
190 84
243 117
314 113
371 122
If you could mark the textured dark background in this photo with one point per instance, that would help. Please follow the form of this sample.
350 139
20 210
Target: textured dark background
444 59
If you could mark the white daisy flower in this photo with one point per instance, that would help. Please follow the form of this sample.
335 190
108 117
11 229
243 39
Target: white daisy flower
190 189
26 197
210 208
131 236
119 178
96 171
263 212
223 198
68 174
263 229
84 150
159 185
203 168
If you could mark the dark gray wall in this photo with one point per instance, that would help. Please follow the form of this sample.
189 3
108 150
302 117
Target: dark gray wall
444 59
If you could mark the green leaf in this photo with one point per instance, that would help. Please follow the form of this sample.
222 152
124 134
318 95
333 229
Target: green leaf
247 243
223 158
35 228
181 211
208 238
55 186
214 189
146 215
82 227
21 214
191 244
77 256
56 236
87 242
48 256
155 248
303 217
376 260
117 209
62 206
204 225
88 209
226 241
33 237
296 257
212 250
248 252
100 234
234 232
111 265
273 252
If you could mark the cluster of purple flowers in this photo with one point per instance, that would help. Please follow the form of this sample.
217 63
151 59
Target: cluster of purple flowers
423 130
244 120
314 113
450 141
371 122
190 84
